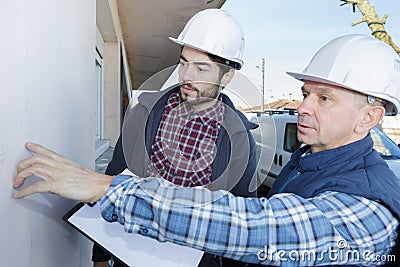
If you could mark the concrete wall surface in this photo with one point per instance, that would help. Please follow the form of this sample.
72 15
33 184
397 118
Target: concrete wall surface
47 95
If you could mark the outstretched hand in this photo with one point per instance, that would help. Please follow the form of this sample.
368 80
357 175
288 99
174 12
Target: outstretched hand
60 176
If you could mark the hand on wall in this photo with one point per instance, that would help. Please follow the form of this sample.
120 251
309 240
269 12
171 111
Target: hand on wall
61 176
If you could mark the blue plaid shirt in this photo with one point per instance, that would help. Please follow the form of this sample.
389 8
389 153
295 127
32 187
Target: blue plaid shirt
330 229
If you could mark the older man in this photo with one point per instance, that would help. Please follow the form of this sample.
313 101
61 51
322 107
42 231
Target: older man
335 203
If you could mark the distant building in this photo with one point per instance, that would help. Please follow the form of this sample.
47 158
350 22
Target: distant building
280 104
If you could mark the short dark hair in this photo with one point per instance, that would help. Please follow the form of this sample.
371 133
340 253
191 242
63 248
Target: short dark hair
224 64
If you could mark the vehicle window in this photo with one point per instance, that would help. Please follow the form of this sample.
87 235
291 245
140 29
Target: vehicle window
290 143
384 145
256 134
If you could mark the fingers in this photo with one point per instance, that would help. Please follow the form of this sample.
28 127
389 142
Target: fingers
36 159
37 165
61 176
39 187
40 150
37 169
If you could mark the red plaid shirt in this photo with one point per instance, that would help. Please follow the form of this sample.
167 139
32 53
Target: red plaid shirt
184 146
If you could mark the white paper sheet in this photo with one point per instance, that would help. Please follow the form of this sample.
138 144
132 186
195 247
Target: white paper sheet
133 249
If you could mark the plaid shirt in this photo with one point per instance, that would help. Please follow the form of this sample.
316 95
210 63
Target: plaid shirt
184 146
319 231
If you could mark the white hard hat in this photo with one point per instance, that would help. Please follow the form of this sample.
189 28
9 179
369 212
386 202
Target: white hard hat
216 32
360 63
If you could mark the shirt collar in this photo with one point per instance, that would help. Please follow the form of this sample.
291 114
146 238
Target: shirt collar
207 116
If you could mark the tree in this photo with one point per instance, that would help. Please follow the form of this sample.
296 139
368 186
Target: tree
370 17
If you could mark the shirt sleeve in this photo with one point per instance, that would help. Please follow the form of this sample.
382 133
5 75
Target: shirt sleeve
285 229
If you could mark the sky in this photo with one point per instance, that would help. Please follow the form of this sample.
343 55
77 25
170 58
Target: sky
287 33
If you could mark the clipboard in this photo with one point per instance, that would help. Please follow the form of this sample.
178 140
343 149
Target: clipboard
131 249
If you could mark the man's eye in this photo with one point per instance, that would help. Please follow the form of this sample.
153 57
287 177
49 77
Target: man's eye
305 96
201 69
325 98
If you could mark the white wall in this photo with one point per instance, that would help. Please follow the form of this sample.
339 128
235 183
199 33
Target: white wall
47 95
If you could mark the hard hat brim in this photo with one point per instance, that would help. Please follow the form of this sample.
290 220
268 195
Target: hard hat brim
304 77
175 40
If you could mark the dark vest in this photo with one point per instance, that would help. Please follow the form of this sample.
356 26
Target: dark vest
355 169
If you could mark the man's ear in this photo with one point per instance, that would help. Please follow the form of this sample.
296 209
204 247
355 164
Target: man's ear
372 116
227 77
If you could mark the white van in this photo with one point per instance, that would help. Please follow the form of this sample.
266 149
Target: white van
276 140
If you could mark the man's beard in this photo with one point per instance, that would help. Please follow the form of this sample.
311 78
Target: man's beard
203 97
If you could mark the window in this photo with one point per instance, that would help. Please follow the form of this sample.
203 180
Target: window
290 143
384 145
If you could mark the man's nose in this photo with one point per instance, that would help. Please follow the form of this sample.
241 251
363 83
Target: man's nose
306 107
187 73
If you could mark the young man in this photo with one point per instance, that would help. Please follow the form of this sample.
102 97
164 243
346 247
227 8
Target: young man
335 203
191 134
